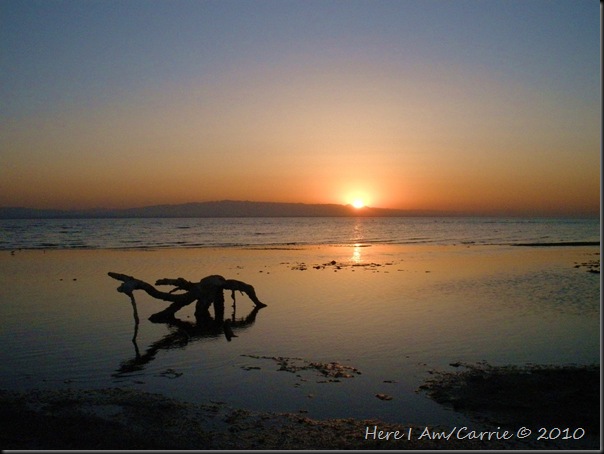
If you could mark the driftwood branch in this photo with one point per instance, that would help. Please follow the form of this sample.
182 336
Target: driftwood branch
207 292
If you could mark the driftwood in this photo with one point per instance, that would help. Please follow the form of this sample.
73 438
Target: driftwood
208 291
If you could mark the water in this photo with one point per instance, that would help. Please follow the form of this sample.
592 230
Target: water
233 232
406 296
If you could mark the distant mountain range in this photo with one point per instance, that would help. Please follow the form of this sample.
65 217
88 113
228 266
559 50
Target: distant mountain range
223 208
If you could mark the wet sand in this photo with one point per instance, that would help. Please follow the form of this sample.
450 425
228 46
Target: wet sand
127 419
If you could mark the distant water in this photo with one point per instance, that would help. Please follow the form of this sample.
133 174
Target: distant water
274 232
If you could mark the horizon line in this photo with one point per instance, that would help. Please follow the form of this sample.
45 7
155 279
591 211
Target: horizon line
352 211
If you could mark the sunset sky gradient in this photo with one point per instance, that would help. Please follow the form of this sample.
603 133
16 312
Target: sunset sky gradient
488 107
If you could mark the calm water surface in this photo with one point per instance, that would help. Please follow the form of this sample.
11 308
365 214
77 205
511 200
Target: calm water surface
229 232
394 312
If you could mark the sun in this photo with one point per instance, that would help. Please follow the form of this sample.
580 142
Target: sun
358 203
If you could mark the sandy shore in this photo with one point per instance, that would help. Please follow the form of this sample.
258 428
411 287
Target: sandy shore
128 419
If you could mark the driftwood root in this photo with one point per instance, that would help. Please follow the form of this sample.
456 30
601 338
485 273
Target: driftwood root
208 291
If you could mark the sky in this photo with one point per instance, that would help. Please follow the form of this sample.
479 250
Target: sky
474 106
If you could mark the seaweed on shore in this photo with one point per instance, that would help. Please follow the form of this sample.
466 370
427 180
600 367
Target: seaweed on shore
332 371
533 395
121 419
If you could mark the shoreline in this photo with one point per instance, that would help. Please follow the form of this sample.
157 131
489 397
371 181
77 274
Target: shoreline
304 246
560 243
128 419
380 247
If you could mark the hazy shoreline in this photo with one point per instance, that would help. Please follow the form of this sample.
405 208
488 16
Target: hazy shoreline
223 208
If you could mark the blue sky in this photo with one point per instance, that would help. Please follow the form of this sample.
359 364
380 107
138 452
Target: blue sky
58 50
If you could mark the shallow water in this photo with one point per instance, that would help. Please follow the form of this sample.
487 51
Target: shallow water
392 312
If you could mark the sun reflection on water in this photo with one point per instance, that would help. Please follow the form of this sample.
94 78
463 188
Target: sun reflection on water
357 239
356 253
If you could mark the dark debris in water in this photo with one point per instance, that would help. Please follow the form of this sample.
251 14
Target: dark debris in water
331 372
593 266
335 266
170 373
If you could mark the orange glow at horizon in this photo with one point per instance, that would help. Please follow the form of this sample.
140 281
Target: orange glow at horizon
373 149
303 103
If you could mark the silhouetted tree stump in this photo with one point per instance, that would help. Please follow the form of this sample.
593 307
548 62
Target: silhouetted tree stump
208 291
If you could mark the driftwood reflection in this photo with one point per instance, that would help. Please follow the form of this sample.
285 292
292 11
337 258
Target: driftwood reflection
136 323
183 333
